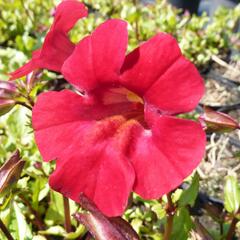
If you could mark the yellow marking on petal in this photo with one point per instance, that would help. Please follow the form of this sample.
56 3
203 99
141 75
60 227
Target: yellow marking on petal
118 95
132 97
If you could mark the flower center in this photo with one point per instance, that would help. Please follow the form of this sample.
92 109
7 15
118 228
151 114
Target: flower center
123 102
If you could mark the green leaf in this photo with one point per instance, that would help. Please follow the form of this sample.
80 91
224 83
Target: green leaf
44 192
5 200
189 195
160 210
55 230
182 224
137 224
23 229
6 214
55 212
38 185
60 231
231 194
18 131
80 231
39 237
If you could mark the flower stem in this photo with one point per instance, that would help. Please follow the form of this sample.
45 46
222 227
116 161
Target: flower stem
25 105
38 221
30 100
232 228
67 223
5 231
170 216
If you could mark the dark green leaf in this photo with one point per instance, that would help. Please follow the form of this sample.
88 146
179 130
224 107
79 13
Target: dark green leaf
182 224
189 195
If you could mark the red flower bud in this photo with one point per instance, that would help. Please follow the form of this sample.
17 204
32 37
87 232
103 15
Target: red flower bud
10 172
102 227
7 90
32 78
38 165
214 121
6 105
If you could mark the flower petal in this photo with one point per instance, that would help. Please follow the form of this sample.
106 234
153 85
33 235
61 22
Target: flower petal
159 73
68 12
178 90
91 153
98 57
57 110
56 47
98 167
164 157
24 70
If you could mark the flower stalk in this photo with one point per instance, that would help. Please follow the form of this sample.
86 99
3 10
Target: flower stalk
170 217
37 221
232 229
5 231
67 215
24 105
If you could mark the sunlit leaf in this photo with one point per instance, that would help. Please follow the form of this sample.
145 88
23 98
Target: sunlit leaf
23 229
80 231
231 194
38 237
160 210
38 186
55 213
55 230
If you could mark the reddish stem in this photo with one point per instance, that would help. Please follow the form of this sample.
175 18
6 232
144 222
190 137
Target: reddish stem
38 221
24 104
5 231
170 216
67 215
232 229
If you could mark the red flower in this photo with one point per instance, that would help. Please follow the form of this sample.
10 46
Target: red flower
56 47
119 133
